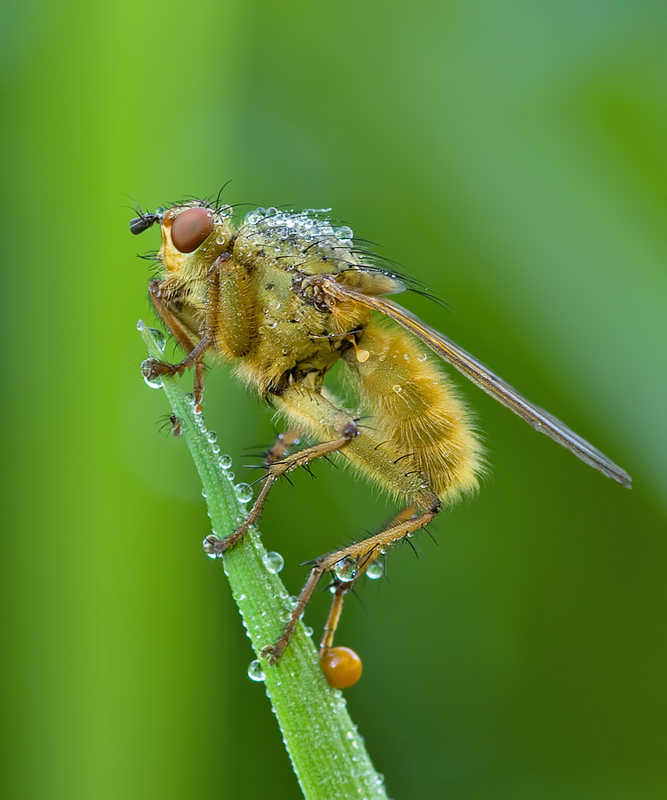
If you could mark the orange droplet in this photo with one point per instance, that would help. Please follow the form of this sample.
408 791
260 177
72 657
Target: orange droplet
341 667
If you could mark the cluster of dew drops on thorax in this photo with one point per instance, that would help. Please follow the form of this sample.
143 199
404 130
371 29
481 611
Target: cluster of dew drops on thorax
297 232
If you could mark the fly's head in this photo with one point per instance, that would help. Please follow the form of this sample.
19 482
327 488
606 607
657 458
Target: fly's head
194 235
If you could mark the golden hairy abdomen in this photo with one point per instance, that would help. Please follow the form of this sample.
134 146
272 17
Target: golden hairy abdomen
415 410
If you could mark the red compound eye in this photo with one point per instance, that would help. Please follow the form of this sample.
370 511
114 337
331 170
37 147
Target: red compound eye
341 667
191 228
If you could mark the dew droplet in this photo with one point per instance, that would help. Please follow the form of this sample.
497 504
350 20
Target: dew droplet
307 630
345 570
375 570
212 436
255 671
398 389
154 383
159 337
211 545
421 357
243 492
273 561
225 461
190 398
220 240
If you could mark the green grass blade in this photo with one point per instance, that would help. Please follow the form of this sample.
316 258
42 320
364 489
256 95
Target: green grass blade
327 753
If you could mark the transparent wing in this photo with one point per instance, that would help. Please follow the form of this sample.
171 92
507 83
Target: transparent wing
486 380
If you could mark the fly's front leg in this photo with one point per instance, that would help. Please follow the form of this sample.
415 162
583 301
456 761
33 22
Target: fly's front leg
343 430
151 368
157 292
229 322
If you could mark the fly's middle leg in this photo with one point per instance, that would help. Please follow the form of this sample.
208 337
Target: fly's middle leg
344 429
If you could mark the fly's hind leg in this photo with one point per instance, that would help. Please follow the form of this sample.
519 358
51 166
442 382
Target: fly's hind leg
352 573
379 459
281 447
340 429
348 565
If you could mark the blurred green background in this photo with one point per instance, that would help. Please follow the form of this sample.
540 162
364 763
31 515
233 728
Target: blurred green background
513 156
